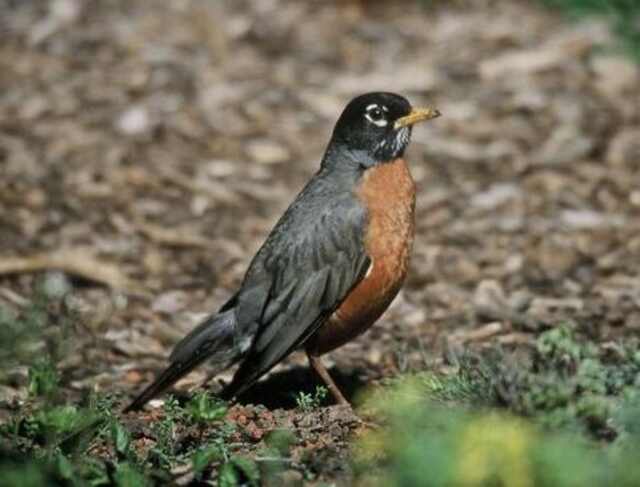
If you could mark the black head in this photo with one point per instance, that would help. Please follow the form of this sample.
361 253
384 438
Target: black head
379 125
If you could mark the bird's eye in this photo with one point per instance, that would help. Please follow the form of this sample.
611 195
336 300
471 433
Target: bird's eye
376 115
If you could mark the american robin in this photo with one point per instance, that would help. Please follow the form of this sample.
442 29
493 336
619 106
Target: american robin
332 264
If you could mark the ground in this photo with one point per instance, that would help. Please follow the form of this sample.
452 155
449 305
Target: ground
146 149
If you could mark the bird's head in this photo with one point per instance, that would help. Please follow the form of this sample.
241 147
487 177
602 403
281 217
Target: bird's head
379 125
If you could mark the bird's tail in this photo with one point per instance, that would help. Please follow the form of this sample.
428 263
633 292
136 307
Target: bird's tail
216 339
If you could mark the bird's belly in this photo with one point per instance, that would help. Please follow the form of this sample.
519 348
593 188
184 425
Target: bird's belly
388 191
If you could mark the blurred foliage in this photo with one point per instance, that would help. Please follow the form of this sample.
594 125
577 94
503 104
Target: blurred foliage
275 457
43 378
564 382
564 414
54 439
90 445
237 471
427 444
624 16
567 399
37 335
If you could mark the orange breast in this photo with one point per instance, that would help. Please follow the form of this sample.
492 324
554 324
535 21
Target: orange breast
388 192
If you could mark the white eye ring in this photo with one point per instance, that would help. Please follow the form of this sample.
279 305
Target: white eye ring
374 114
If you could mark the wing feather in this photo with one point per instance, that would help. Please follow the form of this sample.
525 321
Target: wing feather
309 281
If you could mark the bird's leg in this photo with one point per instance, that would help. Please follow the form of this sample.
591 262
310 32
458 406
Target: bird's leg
321 370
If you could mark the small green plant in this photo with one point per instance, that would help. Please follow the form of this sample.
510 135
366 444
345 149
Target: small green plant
43 379
21 335
163 453
276 455
205 456
59 428
127 475
308 402
239 471
121 439
279 441
204 408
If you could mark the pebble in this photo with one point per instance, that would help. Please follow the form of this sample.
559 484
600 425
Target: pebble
56 285
134 121
267 152
169 302
615 74
624 147
588 219
566 145
495 196
549 306
489 295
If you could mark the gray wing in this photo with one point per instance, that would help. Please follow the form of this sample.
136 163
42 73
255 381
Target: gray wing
302 273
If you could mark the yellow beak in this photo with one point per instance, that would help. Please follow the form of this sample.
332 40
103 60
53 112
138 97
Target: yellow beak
416 115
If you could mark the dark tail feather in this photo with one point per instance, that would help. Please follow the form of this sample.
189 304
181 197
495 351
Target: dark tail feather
243 379
167 378
215 339
234 389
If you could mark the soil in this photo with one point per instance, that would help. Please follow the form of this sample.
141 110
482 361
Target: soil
147 148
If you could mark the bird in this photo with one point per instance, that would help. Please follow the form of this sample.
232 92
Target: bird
330 266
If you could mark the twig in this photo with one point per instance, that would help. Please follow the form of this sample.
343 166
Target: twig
76 262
